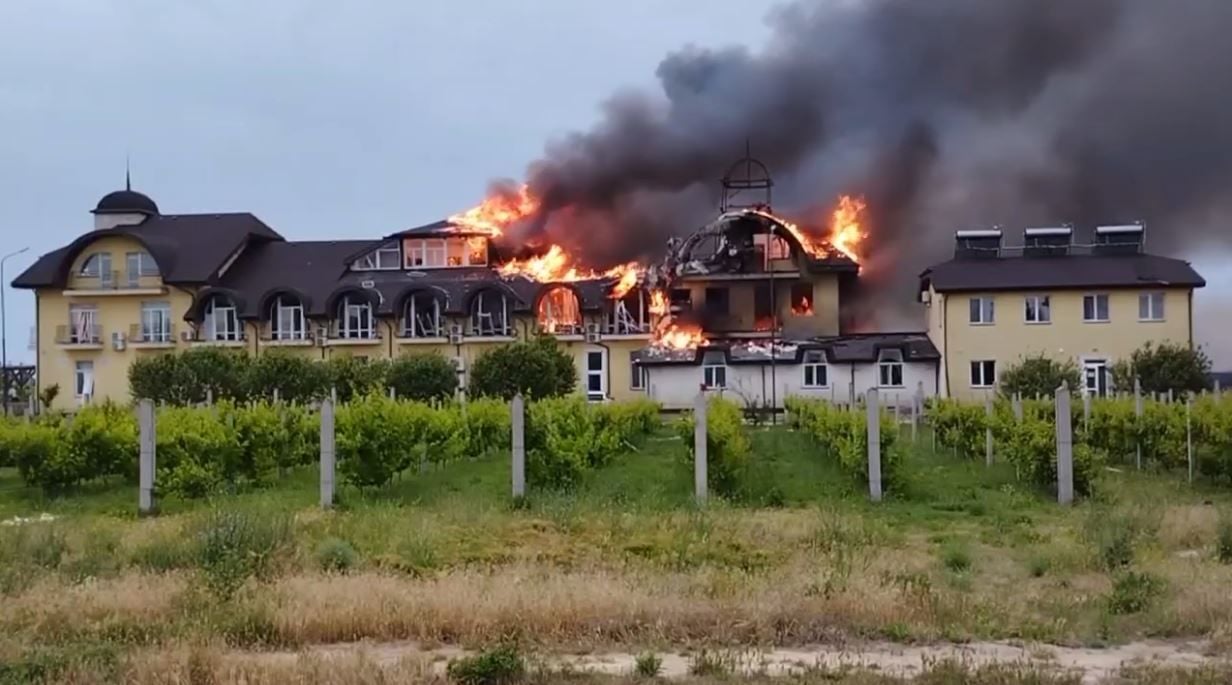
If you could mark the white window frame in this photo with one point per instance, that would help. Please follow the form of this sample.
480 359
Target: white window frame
156 321
503 327
364 325
96 265
1154 313
410 318
814 364
599 374
985 313
221 322
714 373
1095 299
620 321
83 324
144 263
1038 309
387 257
981 369
887 362
297 326
83 379
637 373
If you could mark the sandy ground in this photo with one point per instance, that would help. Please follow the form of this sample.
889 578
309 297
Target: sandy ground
1095 665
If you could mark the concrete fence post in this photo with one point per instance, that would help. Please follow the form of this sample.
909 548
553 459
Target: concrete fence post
1017 405
988 414
700 475
873 409
1086 411
1138 418
209 397
1065 447
1189 453
333 395
1217 389
1171 397
518 442
275 395
393 393
146 456
917 403
327 454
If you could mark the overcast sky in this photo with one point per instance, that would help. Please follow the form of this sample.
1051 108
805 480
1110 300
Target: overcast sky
326 119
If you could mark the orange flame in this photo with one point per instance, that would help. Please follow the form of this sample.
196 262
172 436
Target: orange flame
678 337
846 232
810 246
802 308
555 266
658 303
496 213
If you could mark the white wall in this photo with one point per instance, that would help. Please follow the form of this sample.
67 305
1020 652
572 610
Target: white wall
105 221
676 386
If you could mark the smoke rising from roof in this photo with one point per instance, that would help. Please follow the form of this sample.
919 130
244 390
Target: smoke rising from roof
945 114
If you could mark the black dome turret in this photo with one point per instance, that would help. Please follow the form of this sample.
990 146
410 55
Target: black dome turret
126 201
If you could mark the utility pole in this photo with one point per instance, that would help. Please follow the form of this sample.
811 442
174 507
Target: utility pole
4 329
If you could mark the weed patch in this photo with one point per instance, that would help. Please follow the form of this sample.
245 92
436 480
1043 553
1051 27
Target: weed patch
503 665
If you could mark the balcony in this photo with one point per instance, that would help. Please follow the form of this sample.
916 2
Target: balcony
228 338
114 283
151 337
351 337
288 338
409 335
87 337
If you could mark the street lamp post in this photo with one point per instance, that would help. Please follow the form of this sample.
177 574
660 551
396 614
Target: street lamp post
4 329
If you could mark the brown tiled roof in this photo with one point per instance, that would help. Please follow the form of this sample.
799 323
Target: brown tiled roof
1072 271
188 248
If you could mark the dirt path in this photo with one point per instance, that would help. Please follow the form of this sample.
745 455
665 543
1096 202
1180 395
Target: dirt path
1095 665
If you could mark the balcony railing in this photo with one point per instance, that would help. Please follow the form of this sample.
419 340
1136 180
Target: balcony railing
337 333
288 336
197 335
141 333
115 280
89 334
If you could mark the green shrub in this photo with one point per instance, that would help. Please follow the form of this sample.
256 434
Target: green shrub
727 445
423 377
1114 537
233 546
1163 367
375 438
104 438
1030 445
843 434
959 426
352 377
956 557
647 665
336 555
296 378
537 369
487 426
503 665
1039 375
1133 592
197 452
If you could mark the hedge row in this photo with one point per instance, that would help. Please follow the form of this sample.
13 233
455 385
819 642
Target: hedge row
727 445
843 433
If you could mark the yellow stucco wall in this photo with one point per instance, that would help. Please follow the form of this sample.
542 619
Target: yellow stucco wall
742 296
1010 338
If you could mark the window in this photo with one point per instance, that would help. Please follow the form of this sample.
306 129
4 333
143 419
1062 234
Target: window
140 264
775 246
422 318
559 311
97 265
717 302
425 253
1151 307
83 324
982 311
287 317
1039 309
355 320
802 299
983 374
156 322
627 316
385 257
815 374
477 251
714 371
221 321
890 368
1095 308
682 298
637 378
490 314
83 379
596 375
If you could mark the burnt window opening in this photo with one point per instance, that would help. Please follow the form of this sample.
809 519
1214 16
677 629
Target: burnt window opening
718 302
629 315
681 299
421 317
559 311
489 314
763 311
802 303
772 246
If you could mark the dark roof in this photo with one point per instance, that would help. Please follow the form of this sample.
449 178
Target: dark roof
188 248
442 227
839 349
1072 271
126 202
1223 378
308 269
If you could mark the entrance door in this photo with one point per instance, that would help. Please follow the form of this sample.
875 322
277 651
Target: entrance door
1095 377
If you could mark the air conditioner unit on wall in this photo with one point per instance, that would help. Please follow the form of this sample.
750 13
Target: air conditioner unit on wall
322 335
593 333
118 342
459 364
455 334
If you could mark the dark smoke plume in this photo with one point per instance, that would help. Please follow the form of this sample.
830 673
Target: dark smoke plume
945 114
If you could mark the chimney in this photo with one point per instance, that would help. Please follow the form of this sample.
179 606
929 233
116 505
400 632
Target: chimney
1121 239
981 244
1047 242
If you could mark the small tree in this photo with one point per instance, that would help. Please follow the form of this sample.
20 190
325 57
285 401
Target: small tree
423 377
296 378
1164 367
1039 376
185 378
536 368
354 376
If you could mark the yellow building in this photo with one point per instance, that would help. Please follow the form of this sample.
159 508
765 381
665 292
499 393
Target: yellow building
992 305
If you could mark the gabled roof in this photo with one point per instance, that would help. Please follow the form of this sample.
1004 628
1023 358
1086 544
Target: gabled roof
1070 271
436 228
188 248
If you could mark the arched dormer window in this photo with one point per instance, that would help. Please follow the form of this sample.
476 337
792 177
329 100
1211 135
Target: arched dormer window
421 316
355 320
286 317
221 321
139 265
559 311
629 315
97 265
489 314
